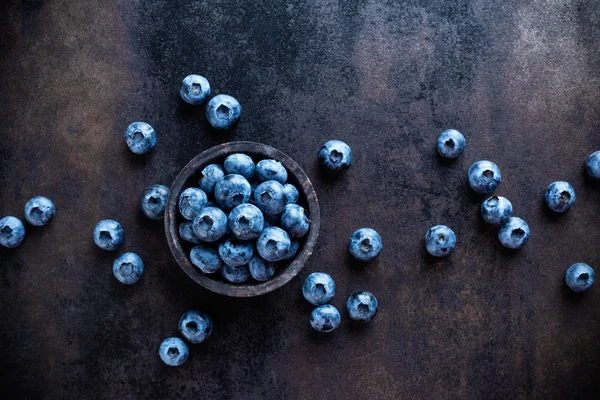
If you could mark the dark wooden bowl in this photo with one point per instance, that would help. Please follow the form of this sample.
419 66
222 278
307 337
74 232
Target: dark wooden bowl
189 177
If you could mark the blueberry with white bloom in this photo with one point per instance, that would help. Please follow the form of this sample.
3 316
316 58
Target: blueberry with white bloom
294 247
173 351
273 244
154 201
246 221
240 164
186 232
335 156
223 111
451 143
210 224
271 170
206 259
231 191
579 277
270 198
593 165
108 234
128 268
362 306
12 232
195 326
261 270
236 253
295 221
140 137
235 274
291 193
325 318
39 211
210 175
484 176
560 196
191 202
440 241
195 89
496 210
514 233
318 288
365 244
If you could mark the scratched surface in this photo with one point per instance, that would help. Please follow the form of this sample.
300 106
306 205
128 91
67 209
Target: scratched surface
521 79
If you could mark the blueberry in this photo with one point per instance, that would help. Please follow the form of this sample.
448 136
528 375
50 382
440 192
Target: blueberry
484 176
12 232
273 244
579 277
195 326
325 318
240 164
173 351
108 234
206 259
514 233
246 221
231 191
295 221
186 232
260 269
235 274
593 165
210 224
191 202
128 268
236 253
440 241
270 198
140 137
290 193
39 211
318 288
154 201
496 210
211 174
271 170
335 156
560 196
223 111
195 89
294 247
451 143
365 244
362 306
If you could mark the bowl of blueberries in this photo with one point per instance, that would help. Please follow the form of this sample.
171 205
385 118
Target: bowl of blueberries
242 219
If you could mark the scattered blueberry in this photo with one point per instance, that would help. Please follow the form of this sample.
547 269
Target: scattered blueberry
211 174
295 221
223 111
514 233
271 170
195 89
231 191
195 326
484 176
362 306
294 246
260 269
290 193
235 274
240 164
273 244
12 232
154 201
318 288
246 221
365 244
140 137
108 234
496 210
325 318
335 156
579 277
206 259
560 196
186 232
128 268
451 143
173 351
440 241
39 211
191 202
236 253
593 165
270 198
210 224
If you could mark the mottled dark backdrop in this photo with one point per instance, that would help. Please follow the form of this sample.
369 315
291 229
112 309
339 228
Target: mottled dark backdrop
520 78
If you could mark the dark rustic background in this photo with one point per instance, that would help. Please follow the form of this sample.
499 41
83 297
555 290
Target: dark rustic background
520 78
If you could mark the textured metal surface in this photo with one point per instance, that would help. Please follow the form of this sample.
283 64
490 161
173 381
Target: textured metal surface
520 78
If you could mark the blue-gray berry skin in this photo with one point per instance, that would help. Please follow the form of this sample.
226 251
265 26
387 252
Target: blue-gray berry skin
209 177
440 241
291 193
325 318
496 210
273 244
206 259
295 221
140 137
195 326
362 306
514 233
210 224
294 247
154 201
365 244
235 274
12 232
108 235
484 176
223 111
236 253
246 221
39 211
560 196
271 170
451 143
318 288
128 268
579 277
240 164
593 165
231 191
261 270
191 202
270 198
186 232
195 89
335 156
173 351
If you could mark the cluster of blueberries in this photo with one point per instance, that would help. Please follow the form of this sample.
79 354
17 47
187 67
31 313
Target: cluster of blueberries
38 212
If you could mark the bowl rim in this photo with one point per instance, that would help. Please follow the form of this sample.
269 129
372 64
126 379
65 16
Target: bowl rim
175 242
